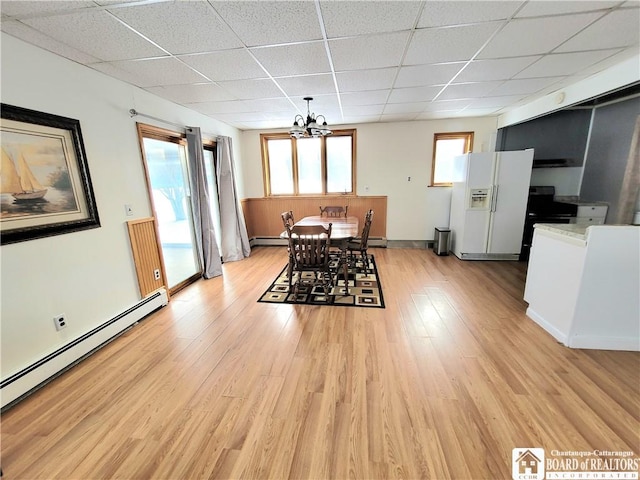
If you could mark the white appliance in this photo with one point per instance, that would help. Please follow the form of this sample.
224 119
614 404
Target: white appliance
489 203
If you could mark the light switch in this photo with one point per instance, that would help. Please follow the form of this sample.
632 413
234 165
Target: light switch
128 210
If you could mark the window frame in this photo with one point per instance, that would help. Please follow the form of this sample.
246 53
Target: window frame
266 171
468 147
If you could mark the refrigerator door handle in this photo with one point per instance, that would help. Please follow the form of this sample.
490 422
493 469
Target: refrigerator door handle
494 198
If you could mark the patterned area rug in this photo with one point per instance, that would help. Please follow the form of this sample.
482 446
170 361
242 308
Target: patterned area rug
364 289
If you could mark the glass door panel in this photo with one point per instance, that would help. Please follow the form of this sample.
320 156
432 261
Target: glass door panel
167 168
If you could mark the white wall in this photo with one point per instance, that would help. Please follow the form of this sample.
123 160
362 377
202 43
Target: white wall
89 276
387 155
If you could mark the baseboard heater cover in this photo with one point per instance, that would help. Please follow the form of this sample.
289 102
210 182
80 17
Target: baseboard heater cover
34 376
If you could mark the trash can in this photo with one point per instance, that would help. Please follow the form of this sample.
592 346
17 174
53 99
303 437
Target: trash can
441 241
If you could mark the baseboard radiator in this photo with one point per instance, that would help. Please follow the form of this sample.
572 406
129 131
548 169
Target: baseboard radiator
26 381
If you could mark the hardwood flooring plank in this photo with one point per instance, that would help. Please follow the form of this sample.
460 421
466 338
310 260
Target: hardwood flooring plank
443 383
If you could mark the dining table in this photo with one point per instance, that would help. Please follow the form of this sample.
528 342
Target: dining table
343 229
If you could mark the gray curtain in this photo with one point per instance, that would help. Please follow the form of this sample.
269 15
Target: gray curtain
201 205
235 241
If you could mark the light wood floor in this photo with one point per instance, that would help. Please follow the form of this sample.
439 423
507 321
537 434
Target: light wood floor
443 383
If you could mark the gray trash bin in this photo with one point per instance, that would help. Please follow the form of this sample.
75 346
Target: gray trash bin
441 241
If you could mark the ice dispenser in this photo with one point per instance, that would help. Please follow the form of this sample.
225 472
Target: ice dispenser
479 198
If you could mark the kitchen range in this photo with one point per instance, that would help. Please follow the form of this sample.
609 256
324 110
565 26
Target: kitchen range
542 208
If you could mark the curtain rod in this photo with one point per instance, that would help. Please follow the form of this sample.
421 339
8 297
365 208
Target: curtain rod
134 113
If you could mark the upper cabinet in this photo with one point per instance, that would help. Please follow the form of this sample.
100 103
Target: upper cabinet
558 139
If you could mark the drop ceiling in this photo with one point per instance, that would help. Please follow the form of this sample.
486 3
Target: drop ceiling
250 63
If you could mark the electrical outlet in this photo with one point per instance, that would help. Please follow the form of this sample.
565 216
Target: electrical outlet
60 322
156 274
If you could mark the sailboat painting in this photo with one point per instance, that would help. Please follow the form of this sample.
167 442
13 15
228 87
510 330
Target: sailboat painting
18 180
44 179
34 177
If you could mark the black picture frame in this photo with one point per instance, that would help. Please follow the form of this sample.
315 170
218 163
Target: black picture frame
45 151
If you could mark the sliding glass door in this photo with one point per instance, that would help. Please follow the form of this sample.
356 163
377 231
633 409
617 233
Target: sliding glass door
165 159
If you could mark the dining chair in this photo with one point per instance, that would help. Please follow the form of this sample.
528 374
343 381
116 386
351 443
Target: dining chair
334 211
359 244
287 219
309 252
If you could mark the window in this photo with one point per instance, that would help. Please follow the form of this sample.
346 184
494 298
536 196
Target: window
309 166
445 147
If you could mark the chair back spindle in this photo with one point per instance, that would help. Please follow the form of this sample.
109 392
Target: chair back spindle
334 211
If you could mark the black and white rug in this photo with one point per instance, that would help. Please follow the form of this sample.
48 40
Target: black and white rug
364 288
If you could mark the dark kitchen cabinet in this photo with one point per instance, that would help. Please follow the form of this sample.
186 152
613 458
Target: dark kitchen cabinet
558 139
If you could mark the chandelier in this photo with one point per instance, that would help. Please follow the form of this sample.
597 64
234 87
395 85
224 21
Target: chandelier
311 127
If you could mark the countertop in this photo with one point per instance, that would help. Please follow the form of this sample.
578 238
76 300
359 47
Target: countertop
569 229
576 201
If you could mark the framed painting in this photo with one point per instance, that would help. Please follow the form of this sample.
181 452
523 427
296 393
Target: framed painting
44 177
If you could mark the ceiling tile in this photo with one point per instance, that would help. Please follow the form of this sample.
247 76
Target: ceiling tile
297 59
108 2
467 90
631 52
368 52
234 106
343 19
268 23
250 89
235 64
270 105
307 84
409 107
564 63
320 103
254 51
241 117
495 102
443 13
477 112
362 119
538 9
501 69
33 36
434 115
446 105
617 29
363 110
535 36
419 75
399 117
448 44
413 94
526 86
80 31
39 7
364 98
361 80
157 71
204 92
180 27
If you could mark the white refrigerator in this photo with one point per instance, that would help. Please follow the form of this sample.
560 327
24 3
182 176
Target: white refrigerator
489 203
